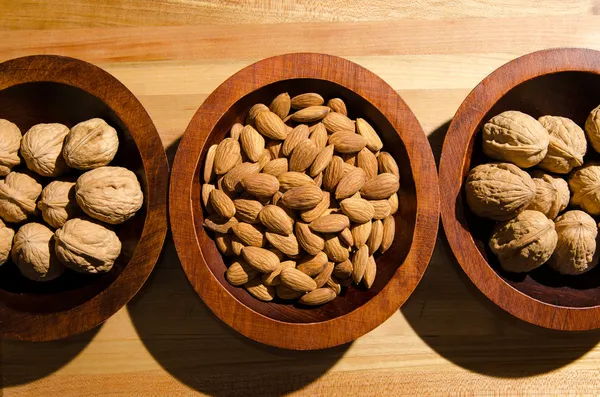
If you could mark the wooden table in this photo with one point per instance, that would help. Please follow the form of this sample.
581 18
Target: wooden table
447 339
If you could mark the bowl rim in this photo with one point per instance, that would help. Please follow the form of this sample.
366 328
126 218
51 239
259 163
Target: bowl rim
85 76
345 328
461 132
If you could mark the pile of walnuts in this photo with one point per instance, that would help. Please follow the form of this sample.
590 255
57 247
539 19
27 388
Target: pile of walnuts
533 228
74 209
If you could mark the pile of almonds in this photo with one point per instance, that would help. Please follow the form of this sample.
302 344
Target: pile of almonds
301 201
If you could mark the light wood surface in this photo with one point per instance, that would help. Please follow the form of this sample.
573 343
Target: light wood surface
447 339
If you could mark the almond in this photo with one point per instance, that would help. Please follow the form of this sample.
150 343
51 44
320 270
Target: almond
236 245
236 131
209 169
287 244
393 201
334 286
252 143
310 114
249 234
343 270
270 125
389 231
333 173
314 213
254 111
206 189
387 164
366 131
322 160
376 236
361 233
370 272
335 122
278 253
232 180
347 142
298 281
262 185
305 100
318 180
298 134
359 263
286 293
346 237
357 209
310 242
350 184
338 106
223 242
319 136
272 279
281 105
330 224
349 158
276 167
366 160
302 198
291 179
276 220
240 272
348 169
220 225
274 148
261 259
313 265
226 155
247 210
318 297
222 204
334 249
382 208
324 275
380 187
303 156
260 291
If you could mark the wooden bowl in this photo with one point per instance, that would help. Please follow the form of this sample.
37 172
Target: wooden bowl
560 82
398 271
43 89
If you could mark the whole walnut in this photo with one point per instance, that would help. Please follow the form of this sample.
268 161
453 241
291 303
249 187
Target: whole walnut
10 142
515 137
42 147
6 242
585 186
33 253
499 191
18 194
575 252
567 145
109 194
91 144
551 194
592 128
87 247
58 203
525 242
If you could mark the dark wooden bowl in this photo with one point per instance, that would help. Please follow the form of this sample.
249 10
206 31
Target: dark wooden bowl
398 271
43 89
560 82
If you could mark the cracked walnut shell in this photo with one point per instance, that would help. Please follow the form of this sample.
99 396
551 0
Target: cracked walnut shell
575 252
58 203
567 145
585 186
525 242
87 247
109 194
551 194
41 148
33 253
10 142
18 194
499 191
91 144
515 137
6 242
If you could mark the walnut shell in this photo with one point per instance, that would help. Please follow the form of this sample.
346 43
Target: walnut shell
499 191
575 252
58 203
33 253
6 242
10 142
18 194
567 145
87 247
585 186
91 144
109 194
592 128
41 148
525 242
551 194
515 137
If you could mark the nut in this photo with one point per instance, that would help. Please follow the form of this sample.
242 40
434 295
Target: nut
10 142
33 253
41 148
551 194
58 203
18 195
592 128
585 186
90 144
567 145
575 252
6 242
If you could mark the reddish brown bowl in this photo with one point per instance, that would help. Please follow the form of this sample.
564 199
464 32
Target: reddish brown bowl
560 82
399 270
45 89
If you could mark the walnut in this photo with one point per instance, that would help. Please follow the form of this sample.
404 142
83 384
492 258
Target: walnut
33 253
58 203
6 242
42 147
515 137
567 145
551 194
91 144
10 142
592 128
575 252
585 186
87 247
18 194
499 191
109 194
525 242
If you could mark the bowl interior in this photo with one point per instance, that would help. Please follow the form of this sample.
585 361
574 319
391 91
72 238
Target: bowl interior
45 102
567 94
387 264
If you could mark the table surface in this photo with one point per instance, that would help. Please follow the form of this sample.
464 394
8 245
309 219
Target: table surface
447 339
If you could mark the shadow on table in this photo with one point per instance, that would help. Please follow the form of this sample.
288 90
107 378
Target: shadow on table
462 325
